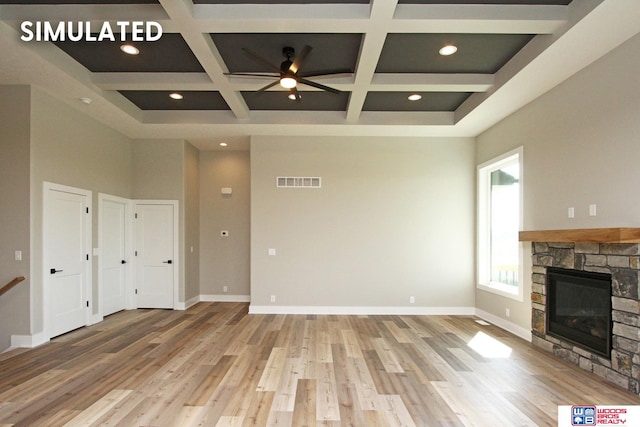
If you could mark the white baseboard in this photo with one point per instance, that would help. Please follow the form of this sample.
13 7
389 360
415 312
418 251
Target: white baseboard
96 318
354 310
523 333
225 298
188 303
28 341
212 298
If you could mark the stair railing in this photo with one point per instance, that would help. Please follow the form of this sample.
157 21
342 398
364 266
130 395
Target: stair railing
11 284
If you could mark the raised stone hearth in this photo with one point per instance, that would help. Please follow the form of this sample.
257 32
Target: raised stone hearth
622 261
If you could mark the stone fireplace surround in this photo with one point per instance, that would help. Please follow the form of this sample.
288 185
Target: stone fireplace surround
614 251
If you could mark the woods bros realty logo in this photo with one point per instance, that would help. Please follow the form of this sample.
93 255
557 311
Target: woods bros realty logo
75 31
592 415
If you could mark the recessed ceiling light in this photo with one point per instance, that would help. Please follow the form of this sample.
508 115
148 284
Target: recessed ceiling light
448 50
223 144
86 100
414 97
175 95
129 49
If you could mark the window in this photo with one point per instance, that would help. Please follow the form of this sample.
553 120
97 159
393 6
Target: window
499 221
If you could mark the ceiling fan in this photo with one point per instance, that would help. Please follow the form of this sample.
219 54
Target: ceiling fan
288 74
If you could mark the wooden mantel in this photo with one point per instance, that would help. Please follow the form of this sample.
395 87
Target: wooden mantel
583 235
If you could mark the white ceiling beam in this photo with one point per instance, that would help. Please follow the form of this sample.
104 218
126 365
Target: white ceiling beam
153 81
432 82
279 12
205 51
197 123
494 19
380 82
79 12
381 14
411 18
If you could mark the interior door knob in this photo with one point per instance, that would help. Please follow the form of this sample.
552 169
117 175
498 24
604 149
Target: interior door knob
123 262
54 271
167 262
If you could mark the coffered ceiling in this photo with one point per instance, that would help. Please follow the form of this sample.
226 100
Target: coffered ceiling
508 53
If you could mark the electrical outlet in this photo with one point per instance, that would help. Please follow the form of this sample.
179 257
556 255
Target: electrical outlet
273 298
507 312
571 213
225 289
592 210
18 256
412 300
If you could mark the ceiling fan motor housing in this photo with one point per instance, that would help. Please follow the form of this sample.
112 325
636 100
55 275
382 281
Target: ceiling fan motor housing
289 53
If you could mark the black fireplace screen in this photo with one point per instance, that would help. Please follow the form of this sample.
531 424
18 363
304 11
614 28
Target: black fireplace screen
579 308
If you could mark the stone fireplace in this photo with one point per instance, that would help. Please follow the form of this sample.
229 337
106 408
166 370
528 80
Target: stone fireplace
614 252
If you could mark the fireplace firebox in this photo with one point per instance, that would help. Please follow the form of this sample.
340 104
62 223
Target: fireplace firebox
579 308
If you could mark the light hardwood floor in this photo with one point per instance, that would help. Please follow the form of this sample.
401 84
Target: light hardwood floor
215 365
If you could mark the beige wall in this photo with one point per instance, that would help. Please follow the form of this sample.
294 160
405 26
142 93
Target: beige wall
393 219
225 261
15 109
69 148
192 221
580 147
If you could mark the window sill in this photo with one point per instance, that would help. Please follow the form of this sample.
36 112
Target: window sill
503 290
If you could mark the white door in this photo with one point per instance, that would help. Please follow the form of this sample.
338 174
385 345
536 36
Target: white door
155 253
113 253
67 272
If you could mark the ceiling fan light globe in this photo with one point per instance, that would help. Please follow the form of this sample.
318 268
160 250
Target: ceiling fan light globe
288 82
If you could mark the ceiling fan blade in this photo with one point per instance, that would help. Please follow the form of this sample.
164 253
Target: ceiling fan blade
270 85
260 59
299 59
318 85
271 76
326 72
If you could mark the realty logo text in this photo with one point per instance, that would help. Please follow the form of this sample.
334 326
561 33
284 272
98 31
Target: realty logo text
46 31
594 416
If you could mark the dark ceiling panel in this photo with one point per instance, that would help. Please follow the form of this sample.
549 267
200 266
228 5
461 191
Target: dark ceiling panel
169 54
160 100
280 1
530 2
477 53
78 1
310 101
397 101
330 51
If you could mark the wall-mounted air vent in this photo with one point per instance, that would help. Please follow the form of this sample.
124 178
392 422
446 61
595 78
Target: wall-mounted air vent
299 182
